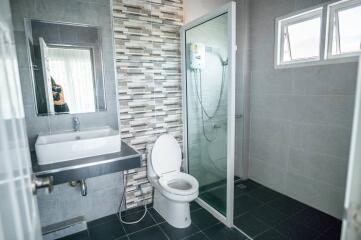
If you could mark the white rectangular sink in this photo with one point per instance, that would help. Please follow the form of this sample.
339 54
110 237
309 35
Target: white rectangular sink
74 145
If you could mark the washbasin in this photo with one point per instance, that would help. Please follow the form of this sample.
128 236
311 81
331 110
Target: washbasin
53 148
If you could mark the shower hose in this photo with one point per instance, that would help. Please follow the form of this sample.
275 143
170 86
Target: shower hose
197 74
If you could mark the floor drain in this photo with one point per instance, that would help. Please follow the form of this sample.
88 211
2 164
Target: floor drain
241 186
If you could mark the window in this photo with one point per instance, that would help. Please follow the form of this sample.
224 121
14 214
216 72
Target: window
309 37
299 37
344 33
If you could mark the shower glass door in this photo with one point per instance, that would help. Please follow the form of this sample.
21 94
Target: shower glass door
208 58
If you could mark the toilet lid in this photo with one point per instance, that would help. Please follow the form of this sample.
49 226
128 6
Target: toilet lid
166 155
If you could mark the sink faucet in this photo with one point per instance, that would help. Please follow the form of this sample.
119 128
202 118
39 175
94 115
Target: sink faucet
76 124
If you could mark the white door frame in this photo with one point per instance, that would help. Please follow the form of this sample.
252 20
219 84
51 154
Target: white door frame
352 215
19 217
44 52
230 9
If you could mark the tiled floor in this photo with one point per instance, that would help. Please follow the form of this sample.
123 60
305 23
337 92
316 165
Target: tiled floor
260 212
265 214
153 227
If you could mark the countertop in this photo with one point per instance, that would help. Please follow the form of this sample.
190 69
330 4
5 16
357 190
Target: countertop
127 158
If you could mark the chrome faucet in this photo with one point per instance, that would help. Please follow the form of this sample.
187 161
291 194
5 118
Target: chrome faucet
76 124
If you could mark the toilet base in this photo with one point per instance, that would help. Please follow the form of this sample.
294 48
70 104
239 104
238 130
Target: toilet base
175 213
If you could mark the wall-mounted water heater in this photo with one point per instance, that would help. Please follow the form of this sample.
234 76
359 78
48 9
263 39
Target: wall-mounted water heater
197 55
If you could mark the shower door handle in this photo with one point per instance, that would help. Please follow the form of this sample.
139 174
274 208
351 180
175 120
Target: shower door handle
239 115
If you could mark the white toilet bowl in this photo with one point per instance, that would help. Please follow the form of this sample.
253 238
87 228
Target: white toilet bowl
173 190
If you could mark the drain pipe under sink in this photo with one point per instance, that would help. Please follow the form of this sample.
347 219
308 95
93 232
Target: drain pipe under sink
83 186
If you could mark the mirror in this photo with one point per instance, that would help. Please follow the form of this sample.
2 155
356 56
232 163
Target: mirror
67 69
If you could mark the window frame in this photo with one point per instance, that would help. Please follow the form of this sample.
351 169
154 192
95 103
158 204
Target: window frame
332 9
283 22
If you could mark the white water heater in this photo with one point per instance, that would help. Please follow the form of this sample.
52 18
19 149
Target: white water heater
197 55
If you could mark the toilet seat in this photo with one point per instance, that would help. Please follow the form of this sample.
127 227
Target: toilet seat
179 183
165 162
173 189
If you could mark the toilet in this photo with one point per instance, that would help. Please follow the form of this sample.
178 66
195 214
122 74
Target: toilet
173 189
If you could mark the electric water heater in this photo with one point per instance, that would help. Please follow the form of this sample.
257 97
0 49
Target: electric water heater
197 55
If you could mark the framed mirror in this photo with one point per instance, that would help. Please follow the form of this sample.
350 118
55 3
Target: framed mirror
67 67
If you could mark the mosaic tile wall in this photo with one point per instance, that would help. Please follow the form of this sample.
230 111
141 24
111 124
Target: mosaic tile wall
148 59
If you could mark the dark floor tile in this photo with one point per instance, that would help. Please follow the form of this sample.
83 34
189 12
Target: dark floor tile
83 235
220 231
203 219
133 210
197 236
250 225
315 219
152 233
156 216
296 231
247 185
216 198
123 238
270 235
102 220
221 191
264 194
238 192
194 206
178 233
334 233
287 205
212 185
244 204
268 215
109 230
146 222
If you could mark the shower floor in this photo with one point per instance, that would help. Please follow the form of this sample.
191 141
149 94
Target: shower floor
266 214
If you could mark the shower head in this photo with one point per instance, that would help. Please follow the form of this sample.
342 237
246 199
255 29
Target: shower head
224 62
215 51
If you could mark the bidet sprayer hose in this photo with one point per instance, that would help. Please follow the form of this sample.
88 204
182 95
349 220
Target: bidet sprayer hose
121 204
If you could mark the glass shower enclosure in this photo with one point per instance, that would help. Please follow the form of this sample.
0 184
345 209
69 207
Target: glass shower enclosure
208 54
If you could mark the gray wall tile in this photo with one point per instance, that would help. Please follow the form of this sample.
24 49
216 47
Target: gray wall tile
271 82
270 152
103 192
300 117
65 202
272 106
149 80
325 139
270 130
301 4
334 79
269 175
320 109
326 168
86 12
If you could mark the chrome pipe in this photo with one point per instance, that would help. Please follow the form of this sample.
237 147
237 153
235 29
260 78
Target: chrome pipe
83 187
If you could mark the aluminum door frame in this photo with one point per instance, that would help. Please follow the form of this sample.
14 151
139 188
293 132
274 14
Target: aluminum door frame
230 9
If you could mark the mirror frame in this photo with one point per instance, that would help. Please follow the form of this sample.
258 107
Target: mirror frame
97 96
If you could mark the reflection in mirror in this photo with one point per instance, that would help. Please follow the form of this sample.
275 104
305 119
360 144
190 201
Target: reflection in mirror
71 73
67 67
